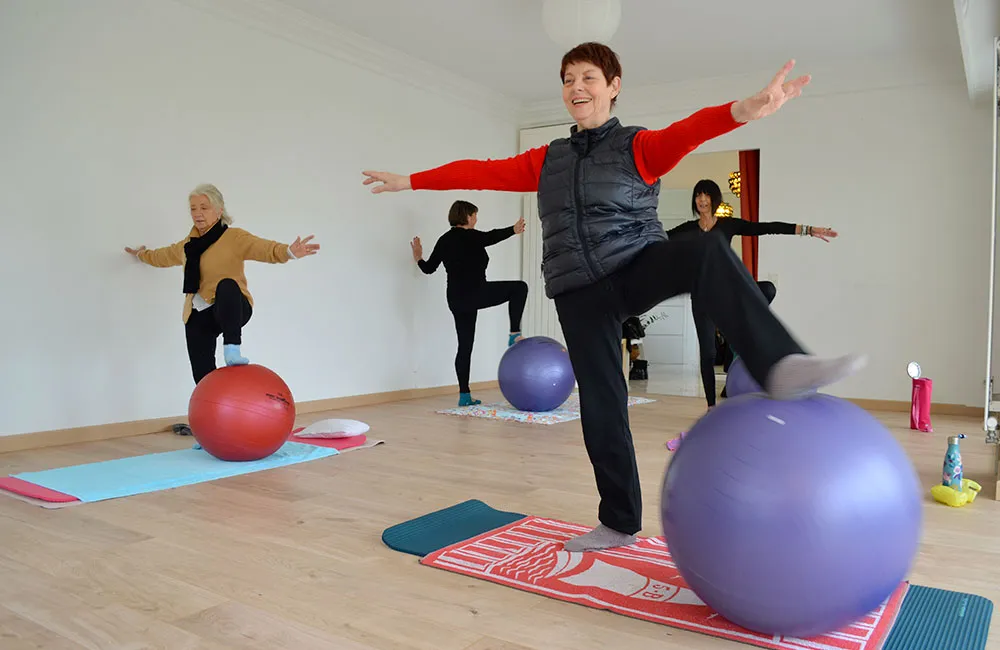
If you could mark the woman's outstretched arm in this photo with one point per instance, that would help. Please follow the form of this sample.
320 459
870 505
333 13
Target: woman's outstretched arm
427 266
497 235
518 173
755 229
164 257
657 152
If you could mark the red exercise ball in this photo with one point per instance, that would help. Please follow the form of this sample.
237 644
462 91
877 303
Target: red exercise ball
241 413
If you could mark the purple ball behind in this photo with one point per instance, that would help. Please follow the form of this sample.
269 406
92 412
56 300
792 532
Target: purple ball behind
535 374
739 381
791 518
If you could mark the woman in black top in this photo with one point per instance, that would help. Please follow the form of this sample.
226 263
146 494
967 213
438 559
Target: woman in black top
462 250
705 200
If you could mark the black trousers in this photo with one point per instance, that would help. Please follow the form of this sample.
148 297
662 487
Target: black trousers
227 316
708 350
465 304
591 320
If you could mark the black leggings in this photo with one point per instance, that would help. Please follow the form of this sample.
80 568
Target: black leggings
465 305
705 329
227 316
591 320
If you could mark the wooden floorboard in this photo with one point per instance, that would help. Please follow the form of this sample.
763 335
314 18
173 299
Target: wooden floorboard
292 558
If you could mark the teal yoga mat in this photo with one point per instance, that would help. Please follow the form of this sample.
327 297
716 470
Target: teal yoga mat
442 528
124 477
937 619
930 619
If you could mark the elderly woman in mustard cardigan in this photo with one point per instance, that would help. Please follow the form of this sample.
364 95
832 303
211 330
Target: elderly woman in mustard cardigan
217 300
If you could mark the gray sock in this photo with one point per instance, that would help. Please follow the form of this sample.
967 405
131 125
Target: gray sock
797 374
599 538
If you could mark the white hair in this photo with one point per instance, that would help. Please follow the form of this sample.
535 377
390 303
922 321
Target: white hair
215 198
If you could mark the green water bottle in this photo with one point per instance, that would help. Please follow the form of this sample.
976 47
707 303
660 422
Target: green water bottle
951 473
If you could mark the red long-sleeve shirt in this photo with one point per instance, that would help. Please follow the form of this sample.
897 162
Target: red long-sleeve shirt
655 152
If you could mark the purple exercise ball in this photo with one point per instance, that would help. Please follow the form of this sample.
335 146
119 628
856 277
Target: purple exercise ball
535 374
739 381
791 518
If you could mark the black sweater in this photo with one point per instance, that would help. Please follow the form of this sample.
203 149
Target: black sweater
463 253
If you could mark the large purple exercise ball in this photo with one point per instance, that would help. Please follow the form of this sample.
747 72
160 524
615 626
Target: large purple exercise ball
791 518
535 374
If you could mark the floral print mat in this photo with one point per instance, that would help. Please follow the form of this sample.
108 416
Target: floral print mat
570 410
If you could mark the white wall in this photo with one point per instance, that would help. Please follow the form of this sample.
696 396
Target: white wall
114 110
902 172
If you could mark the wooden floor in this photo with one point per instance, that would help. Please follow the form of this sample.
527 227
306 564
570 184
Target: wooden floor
292 558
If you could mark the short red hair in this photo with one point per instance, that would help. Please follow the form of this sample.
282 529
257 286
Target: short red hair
597 54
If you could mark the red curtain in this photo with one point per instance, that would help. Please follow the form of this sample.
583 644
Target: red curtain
749 195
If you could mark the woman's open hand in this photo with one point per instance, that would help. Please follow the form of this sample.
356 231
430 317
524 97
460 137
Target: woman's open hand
417 248
390 182
826 234
301 247
134 252
772 97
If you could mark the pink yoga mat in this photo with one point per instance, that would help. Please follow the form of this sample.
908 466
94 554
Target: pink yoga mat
340 444
32 491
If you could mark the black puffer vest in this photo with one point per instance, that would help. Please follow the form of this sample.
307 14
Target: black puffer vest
597 212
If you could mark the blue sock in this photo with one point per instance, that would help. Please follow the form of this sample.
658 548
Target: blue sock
231 352
465 399
512 339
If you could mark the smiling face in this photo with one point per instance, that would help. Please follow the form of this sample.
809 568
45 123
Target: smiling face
706 197
588 95
704 204
203 213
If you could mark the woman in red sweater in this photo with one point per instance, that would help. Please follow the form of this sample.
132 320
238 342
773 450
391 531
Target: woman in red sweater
605 257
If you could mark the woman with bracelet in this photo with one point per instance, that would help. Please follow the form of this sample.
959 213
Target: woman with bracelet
705 200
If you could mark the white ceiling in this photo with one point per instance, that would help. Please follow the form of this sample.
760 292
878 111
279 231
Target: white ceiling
501 44
978 26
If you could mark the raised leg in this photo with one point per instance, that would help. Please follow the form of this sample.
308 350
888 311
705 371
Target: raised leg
232 311
512 292
708 269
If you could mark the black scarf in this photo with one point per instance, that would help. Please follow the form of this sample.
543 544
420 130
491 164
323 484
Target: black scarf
192 253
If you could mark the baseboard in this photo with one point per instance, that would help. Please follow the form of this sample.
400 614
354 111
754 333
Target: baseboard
59 437
900 406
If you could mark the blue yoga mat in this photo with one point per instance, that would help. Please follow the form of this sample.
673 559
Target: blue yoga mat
929 619
436 530
124 477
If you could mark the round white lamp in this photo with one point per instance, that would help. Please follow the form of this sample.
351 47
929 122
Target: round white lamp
571 22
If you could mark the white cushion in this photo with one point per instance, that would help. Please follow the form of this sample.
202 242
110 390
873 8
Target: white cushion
334 428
